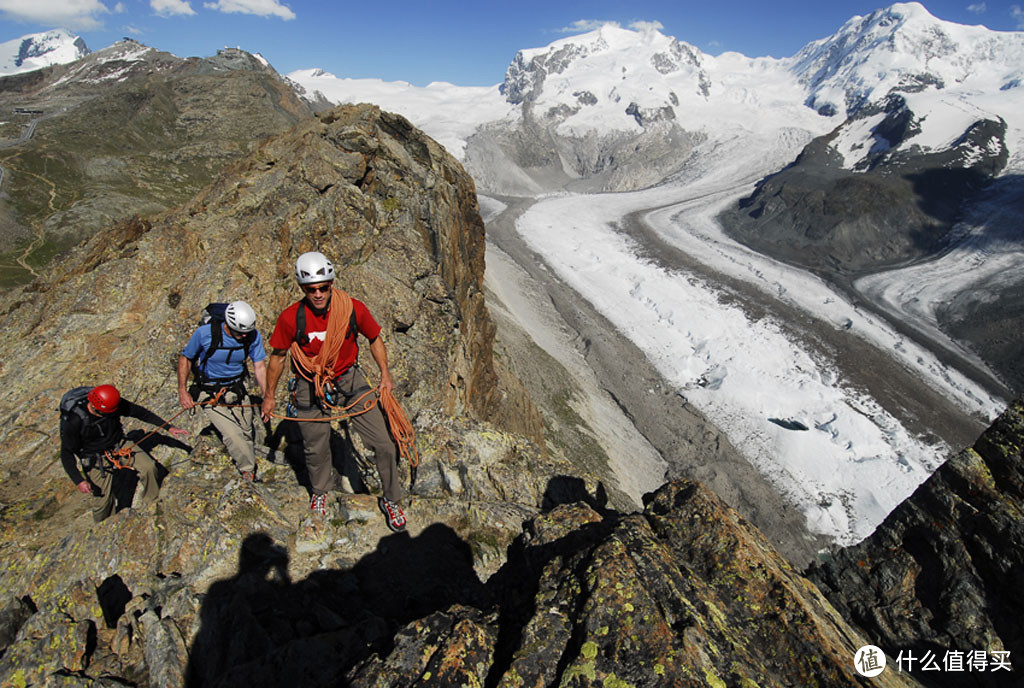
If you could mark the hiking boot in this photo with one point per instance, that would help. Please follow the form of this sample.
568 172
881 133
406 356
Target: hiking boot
249 476
318 504
393 515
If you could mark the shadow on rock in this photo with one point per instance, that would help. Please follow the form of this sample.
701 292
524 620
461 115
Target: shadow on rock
288 434
260 628
567 489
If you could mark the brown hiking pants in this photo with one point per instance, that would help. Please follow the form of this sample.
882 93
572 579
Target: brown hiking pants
370 426
102 477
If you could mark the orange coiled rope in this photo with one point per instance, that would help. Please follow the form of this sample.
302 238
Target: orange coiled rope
319 371
401 429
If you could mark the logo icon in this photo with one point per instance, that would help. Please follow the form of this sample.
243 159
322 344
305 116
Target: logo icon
869 661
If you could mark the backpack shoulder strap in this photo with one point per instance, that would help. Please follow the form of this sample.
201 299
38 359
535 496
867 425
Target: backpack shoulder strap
216 340
300 325
353 326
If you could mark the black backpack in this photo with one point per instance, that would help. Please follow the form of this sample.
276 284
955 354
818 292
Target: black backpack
73 402
105 428
213 315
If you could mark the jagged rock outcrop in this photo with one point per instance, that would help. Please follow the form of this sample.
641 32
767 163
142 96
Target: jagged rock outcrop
943 572
684 594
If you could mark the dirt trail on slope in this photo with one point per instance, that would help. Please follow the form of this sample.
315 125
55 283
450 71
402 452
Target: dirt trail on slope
690 446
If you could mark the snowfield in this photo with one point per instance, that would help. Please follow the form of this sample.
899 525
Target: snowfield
854 462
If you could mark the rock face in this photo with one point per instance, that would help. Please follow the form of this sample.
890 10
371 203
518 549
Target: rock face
943 571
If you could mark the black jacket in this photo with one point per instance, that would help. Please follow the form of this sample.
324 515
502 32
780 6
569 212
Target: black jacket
86 435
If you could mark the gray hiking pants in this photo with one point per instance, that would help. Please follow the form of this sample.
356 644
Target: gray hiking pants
370 426
102 477
237 427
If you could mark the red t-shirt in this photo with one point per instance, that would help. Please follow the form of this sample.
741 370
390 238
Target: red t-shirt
316 331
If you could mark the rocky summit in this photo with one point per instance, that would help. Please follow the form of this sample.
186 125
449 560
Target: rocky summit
518 567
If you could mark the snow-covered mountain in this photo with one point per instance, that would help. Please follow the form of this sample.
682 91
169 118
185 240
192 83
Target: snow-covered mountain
449 113
574 109
905 49
611 79
39 50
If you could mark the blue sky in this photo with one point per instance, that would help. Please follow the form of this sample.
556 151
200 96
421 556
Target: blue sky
466 43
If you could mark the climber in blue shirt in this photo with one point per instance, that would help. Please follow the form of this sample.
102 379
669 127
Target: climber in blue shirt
216 356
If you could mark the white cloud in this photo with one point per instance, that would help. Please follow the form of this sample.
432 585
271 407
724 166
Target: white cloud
168 8
262 8
977 8
647 25
584 25
78 14
1018 14
119 8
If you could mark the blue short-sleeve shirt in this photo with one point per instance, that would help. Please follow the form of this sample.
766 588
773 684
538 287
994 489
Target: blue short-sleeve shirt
226 362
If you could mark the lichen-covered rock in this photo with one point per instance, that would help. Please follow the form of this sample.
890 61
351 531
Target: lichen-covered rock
943 572
685 594
49 643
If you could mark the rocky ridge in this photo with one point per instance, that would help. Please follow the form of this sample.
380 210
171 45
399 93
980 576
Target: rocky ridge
399 216
175 122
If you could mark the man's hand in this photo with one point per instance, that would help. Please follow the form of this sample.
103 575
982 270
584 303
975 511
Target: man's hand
386 383
185 399
267 408
84 487
180 433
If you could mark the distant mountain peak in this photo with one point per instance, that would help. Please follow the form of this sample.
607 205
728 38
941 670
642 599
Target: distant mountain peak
610 78
39 50
903 48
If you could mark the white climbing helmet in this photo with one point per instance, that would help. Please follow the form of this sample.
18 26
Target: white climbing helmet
313 268
240 317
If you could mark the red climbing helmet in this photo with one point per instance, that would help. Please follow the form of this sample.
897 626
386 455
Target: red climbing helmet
105 398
